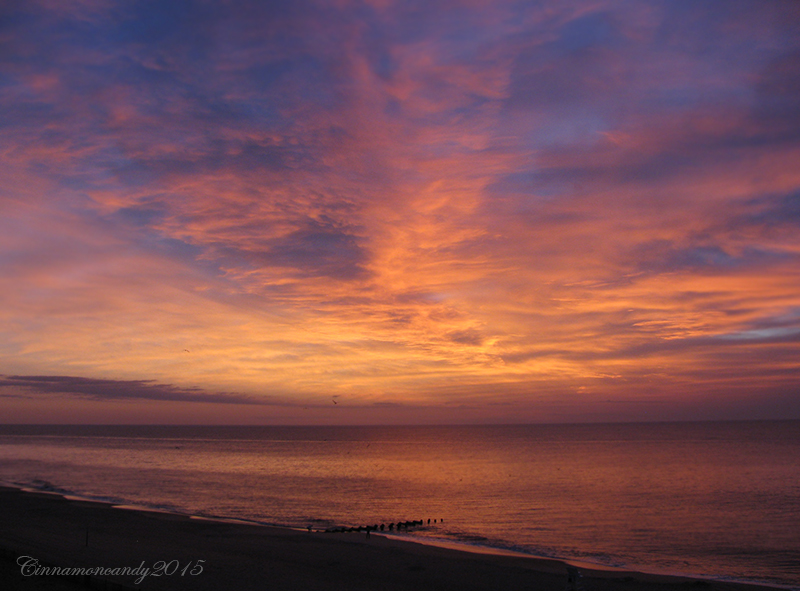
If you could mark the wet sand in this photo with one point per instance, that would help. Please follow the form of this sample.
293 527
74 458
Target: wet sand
57 531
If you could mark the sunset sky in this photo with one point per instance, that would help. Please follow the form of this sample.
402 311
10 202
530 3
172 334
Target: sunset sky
399 212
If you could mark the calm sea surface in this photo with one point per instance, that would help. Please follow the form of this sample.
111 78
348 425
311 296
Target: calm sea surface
712 499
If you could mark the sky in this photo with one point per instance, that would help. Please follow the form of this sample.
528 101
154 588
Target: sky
377 211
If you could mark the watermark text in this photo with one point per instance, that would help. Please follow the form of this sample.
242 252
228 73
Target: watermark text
30 566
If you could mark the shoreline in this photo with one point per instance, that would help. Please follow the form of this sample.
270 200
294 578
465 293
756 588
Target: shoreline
586 565
461 546
67 531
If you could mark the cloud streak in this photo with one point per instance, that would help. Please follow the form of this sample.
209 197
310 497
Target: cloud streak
136 390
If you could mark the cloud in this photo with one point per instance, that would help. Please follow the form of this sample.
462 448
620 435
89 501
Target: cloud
98 389
469 336
317 248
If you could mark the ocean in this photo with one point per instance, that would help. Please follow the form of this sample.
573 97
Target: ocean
718 500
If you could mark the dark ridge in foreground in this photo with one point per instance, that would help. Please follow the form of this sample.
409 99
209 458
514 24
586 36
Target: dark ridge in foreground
180 552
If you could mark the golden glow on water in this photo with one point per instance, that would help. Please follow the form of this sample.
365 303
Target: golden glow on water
705 498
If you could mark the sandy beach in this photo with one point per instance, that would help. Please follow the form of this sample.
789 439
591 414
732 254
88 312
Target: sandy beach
201 554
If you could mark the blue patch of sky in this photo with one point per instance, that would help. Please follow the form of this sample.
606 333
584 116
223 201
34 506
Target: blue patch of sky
20 114
318 79
704 256
714 257
775 210
6 79
661 256
140 219
575 125
178 249
141 215
585 32
530 186
779 327
383 64
393 108
787 209
763 334
115 166
153 21
265 75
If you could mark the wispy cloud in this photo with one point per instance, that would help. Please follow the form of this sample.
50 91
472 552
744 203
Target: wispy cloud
97 389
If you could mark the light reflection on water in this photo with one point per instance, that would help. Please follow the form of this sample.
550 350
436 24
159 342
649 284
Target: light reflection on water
702 498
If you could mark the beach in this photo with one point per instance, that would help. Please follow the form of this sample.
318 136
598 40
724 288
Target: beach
50 530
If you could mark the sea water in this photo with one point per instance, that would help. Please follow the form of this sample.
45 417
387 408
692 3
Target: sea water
719 500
